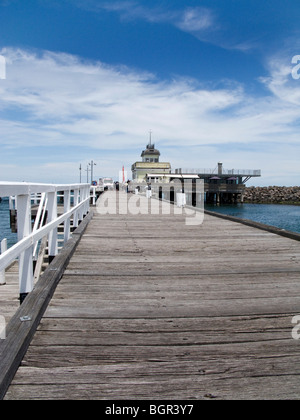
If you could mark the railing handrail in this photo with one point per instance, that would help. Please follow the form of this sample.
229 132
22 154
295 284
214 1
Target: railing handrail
12 253
18 188
28 237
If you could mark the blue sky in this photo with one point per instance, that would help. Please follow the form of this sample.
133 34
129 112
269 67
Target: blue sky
87 79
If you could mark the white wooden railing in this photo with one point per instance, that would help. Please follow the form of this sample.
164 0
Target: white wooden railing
46 223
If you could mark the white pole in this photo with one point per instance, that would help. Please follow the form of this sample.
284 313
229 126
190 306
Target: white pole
52 215
25 259
87 195
2 273
67 206
76 201
94 195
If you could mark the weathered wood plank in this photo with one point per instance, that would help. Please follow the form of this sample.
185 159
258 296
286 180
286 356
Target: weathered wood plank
189 370
84 355
256 388
184 308
9 292
19 334
151 308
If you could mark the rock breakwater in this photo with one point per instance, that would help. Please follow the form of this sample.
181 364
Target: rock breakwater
274 195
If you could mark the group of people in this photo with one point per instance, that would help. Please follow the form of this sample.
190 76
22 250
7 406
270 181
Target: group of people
138 188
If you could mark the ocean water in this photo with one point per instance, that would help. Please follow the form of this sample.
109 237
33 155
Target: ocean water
282 216
5 231
279 215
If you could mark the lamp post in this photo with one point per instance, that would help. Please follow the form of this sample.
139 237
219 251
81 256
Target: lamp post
92 170
87 174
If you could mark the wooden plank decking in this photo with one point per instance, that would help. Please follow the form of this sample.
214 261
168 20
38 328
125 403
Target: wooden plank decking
149 308
9 292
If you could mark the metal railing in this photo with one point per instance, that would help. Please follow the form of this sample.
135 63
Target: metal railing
232 172
45 225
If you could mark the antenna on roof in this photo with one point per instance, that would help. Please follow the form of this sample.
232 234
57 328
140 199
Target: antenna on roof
150 138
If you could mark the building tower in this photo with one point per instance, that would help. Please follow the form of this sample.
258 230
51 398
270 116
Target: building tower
150 164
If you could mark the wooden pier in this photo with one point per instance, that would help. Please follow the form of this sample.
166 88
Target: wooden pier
9 293
150 308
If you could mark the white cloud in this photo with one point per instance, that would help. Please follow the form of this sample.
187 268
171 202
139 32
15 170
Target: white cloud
195 19
201 22
68 99
281 82
191 19
63 103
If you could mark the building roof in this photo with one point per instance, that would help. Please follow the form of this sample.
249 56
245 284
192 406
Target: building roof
150 151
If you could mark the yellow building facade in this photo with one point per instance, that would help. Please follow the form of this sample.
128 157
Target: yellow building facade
150 164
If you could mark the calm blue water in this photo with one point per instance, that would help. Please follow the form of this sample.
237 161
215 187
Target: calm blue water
282 216
5 231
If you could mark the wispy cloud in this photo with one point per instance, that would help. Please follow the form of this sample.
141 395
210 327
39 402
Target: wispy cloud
194 20
202 23
280 81
64 103
69 97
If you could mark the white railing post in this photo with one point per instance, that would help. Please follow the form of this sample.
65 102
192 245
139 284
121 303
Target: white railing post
25 259
67 206
11 203
81 210
84 195
76 201
93 195
2 273
87 195
52 215
28 237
